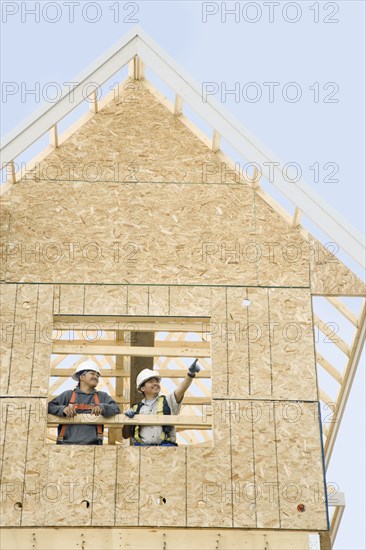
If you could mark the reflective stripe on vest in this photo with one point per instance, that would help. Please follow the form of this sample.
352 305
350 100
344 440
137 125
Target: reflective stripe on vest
163 408
82 407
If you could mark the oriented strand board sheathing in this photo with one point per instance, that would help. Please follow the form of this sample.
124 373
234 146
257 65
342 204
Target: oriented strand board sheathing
190 301
235 337
127 486
137 300
39 380
134 138
160 233
6 248
328 275
26 334
163 487
19 417
300 466
257 332
72 299
8 311
219 342
209 485
283 253
70 485
35 493
292 344
261 414
105 486
159 300
105 300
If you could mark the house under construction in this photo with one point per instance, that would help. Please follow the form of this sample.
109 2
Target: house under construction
135 241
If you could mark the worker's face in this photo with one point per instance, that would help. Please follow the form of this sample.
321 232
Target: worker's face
151 387
91 378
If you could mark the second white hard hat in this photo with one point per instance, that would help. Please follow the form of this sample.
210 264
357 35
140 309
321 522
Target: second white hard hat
145 375
85 365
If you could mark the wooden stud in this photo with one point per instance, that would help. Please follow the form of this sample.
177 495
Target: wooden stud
178 105
342 308
93 107
333 338
216 140
136 351
53 137
297 217
329 367
164 373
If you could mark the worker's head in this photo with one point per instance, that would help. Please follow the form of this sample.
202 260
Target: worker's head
148 383
87 374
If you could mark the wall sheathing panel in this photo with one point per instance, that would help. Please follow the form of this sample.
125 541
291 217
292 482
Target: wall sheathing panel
105 487
127 486
328 275
162 498
70 478
23 460
208 470
161 234
6 248
8 312
292 347
26 312
300 472
105 300
236 483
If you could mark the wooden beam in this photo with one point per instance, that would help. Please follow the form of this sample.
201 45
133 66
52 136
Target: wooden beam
133 323
53 136
132 351
331 335
216 141
178 105
93 107
325 397
119 420
342 308
344 391
255 179
189 538
329 367
200 346
116 373
297 217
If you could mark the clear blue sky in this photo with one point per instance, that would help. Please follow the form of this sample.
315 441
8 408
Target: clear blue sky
317 46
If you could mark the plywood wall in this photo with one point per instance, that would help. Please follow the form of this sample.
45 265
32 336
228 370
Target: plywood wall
265 420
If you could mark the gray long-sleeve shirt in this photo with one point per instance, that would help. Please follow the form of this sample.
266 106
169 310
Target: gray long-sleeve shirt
82 434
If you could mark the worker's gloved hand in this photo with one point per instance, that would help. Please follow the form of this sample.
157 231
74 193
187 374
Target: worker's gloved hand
194 368
130 413
69 411
97 410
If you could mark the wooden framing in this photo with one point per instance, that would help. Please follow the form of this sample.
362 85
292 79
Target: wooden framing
155 539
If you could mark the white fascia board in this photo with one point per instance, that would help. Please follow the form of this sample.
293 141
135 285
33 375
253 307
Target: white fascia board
47 116
240 138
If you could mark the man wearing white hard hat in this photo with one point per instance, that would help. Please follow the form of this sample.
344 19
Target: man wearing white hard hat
84 399
148 383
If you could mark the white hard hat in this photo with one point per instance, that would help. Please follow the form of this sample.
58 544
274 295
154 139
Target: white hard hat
145 375
85 365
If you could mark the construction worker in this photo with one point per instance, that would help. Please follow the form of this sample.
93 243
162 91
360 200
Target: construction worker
148 383
83 399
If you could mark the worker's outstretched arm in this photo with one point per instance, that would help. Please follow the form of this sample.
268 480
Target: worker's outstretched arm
184 385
